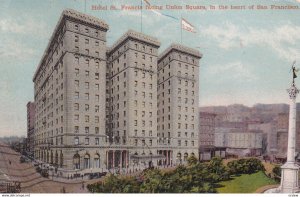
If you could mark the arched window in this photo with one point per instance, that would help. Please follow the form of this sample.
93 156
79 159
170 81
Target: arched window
97 161
185 157
86 161
179 156
76 161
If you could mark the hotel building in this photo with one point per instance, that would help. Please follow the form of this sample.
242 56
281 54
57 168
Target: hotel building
116 109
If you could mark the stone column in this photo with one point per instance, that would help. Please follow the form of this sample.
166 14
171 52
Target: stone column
121 160
289 171
113 161
107 162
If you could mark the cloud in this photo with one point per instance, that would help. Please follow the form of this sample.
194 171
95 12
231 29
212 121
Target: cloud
235 70
24 25
17 51
281 39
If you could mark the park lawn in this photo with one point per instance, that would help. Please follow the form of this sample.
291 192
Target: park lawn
245 183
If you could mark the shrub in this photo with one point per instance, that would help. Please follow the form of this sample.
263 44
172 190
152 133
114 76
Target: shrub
245 166
277 173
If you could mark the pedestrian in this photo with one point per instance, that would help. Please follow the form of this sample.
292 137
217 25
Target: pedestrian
82 186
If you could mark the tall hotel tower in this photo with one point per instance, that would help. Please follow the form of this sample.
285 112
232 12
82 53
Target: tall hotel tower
132 97
178 96
69 93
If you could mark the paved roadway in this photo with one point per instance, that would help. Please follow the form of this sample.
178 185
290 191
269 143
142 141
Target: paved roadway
31 181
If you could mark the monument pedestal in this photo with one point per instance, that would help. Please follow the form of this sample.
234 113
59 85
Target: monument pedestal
289 178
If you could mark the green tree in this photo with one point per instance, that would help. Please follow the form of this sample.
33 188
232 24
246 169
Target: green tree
192 160
152 181
218 170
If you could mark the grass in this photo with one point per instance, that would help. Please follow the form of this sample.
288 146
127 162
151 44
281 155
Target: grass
245 183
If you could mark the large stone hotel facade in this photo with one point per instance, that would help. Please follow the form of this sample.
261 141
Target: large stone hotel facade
119 108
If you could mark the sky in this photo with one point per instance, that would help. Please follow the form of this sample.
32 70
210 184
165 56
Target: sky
247 54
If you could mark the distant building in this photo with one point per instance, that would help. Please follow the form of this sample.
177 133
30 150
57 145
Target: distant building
206 135
239 142
282 137
270 140
232 125
30 127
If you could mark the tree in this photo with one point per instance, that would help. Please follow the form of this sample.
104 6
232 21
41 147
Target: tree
218 170
245 166
152 181
192 160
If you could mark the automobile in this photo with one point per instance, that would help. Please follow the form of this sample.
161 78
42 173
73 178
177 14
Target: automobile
45 173
35 164
22 159
97 175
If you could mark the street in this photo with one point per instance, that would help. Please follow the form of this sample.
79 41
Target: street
31 181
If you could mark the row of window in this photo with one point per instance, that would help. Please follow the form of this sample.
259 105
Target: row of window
180 57
144 143
86 118
185 100
185 134
86 129
144 48
136 113
179 117
86 107
87 62
117 106
143 133
86 51
87 74
143 123
86 96
86 141
186 143
86 30
86 40
186 109
192 126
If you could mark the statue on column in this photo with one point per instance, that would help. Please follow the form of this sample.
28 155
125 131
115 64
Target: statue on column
295 70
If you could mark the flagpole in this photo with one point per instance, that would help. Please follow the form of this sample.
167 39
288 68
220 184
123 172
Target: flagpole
180 28
142 16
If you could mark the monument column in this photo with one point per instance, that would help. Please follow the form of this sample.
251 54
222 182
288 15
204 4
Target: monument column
289 171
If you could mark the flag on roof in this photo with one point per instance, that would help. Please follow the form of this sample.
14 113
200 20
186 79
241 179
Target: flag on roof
187 26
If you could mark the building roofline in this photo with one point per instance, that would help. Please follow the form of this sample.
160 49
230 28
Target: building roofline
180 48
73 14
136 36
207 114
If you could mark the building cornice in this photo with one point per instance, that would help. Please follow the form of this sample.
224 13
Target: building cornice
130 34
180 48
72 15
